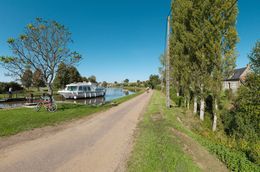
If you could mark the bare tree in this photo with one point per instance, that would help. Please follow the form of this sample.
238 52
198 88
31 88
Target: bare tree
43 46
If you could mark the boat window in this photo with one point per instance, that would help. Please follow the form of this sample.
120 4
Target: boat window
89 89
72 88
85 88
80 88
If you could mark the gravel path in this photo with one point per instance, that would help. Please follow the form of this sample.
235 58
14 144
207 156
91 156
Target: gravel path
100 143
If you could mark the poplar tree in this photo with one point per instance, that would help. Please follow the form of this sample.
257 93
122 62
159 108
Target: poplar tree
202 48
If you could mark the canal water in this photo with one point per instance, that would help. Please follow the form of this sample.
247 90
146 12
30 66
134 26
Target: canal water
111 94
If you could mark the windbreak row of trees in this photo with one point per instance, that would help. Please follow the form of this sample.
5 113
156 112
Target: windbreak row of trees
202 50
202 54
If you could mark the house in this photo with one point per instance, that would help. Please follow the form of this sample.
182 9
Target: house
235 81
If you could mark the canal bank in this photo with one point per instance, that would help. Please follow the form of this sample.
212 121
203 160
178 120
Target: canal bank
13 121
111 94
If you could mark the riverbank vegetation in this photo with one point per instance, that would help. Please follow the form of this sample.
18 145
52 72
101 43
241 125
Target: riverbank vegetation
203 54
13 121
159 145
236 141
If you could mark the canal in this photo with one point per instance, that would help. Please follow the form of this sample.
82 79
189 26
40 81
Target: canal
111 94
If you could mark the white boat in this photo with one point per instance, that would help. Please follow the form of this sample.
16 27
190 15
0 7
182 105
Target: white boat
82 90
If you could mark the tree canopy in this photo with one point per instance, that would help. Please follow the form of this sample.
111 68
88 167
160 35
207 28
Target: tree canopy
66 75
43 45
202 49
27 78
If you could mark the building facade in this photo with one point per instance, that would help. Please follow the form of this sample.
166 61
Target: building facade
237 79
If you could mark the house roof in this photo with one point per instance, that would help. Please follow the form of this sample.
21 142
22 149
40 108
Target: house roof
236 75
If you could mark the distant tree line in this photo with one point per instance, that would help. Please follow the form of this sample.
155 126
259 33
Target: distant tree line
4 87
153 82
67 74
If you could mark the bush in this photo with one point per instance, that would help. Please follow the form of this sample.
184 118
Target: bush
242 122
178 100
229 94
236 161
4 87
244 119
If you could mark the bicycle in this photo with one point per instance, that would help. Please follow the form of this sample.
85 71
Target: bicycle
47 104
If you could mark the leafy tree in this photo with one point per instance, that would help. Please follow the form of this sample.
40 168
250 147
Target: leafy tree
4 86
62 76
84 79
92 79
255 58
74 75
104 84
27 78
245 117
126 81
138 83
43 45
202 49
154 81
38 79
66 75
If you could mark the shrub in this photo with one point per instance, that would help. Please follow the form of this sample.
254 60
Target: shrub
236 161
4 87
244 119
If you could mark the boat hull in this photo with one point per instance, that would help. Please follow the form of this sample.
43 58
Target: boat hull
82 95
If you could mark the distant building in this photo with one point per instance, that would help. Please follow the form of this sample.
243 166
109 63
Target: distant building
235 81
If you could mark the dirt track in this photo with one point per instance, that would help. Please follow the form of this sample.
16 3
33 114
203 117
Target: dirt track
101 143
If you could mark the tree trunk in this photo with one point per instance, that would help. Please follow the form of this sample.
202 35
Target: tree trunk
202 108
188 103
50 90
185 102
214 125
195 105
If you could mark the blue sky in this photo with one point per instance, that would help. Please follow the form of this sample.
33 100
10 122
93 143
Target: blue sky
118 39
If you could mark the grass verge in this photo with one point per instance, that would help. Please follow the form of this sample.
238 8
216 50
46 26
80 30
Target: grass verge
156 149
233 159
13 121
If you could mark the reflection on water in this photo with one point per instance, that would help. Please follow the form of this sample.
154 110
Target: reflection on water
11 104
111 94
90 101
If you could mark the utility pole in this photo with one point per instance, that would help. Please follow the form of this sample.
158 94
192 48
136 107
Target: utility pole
168 64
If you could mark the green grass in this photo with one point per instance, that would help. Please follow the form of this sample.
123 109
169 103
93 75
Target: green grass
156 148
13 121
